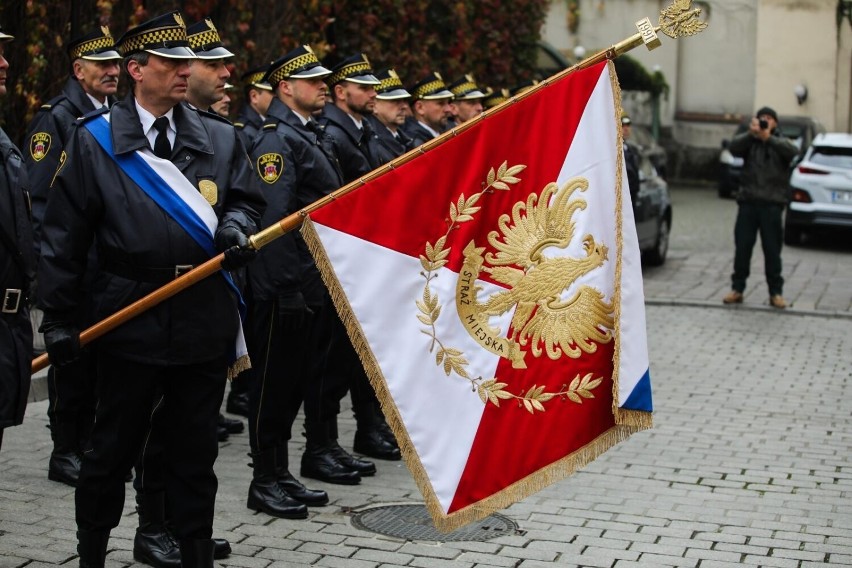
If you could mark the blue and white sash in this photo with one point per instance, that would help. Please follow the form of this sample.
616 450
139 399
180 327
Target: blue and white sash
168 187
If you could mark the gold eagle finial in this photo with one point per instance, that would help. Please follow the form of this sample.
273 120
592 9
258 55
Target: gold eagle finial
680 19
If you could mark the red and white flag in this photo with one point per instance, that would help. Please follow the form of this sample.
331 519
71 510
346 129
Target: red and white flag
493 291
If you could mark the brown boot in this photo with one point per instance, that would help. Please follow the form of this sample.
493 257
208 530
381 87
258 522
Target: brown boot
733 297
777 301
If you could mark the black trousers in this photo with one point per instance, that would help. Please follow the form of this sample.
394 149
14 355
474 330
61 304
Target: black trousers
765 219
331 366
71 398
127 392
280 349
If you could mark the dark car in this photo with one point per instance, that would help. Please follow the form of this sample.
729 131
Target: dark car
653 214
641 136
800 129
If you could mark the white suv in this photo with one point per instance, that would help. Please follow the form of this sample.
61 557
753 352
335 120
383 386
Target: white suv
821 186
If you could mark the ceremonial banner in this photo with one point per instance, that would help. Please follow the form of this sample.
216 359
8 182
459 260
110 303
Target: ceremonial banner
493 291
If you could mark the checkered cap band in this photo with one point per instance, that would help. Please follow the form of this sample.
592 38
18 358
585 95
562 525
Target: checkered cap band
429 88
92 46
351 70
207 38
296 64
389 84
463 89
496 98
174 35
256 77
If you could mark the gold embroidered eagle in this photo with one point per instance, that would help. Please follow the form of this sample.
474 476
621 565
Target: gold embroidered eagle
542 318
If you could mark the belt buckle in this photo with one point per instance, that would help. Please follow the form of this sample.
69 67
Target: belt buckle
11 301
181 269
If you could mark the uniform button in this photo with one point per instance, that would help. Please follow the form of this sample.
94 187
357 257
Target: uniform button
186 157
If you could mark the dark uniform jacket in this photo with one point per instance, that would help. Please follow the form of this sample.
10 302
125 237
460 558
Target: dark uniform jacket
48 132
390 146
766 168
17 269
416 132
139 245
356 147
248 124
298 166
632 163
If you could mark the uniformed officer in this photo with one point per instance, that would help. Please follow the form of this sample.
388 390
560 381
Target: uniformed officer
17 270
430 108
298 165
467 99
389 116
92 84
494 98
153 544
173 186
632 160
222 107
258 95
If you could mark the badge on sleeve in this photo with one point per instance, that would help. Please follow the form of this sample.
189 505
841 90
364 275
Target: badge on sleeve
270 166
39 145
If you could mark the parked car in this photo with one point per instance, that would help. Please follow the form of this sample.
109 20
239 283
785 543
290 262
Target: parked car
800 129
652 211
822 187
642 138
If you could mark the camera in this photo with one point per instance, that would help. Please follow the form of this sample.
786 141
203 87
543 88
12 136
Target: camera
764 124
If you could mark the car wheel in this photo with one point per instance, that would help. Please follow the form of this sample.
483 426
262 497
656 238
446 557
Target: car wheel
657 255
792 234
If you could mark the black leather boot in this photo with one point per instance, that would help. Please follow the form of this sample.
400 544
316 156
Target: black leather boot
64 464
238 403
363 467
154 544
221 548
92 548
294 487
196 553
318 461
266 495
231 425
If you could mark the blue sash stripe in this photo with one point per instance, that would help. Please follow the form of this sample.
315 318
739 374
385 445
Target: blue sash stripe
159 191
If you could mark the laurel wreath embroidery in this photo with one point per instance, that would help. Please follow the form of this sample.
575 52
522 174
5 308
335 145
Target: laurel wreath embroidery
451 359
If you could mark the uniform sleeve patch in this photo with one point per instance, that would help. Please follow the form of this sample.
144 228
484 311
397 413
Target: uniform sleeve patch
39 145
270 166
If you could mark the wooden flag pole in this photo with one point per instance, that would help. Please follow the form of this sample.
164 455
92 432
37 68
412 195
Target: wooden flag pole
678 19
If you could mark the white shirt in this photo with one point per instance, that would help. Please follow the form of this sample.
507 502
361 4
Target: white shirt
357 122
429 129
98 104
147 119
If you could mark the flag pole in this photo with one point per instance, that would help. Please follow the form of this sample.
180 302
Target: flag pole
675 21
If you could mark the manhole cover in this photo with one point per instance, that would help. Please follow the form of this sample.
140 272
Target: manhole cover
412 522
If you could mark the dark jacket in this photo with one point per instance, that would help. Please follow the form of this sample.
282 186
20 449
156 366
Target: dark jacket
93 201
298 166
17 269
632 163
389 147
766 170
356 147
248 124
49 130
416 132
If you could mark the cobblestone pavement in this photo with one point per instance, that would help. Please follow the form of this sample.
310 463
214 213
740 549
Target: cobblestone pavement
747 465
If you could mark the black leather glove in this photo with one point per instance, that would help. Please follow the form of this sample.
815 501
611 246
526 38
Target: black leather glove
293 312
235 244
62 342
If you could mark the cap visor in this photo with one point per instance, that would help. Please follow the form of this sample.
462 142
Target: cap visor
363 79
445 94
312 73
470 96
173 52
264 86
394 94
6 37
215 53
102 56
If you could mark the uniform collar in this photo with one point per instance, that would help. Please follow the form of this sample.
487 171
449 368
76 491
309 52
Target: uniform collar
128 135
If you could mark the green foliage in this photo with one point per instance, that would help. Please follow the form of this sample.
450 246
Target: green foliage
632 76
493 39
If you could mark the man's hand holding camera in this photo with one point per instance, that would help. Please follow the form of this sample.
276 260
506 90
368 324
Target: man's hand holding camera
761 127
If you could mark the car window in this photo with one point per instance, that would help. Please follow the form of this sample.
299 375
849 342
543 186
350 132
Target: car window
832 156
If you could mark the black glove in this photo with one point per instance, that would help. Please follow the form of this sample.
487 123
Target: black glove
293 312
62 342
235 244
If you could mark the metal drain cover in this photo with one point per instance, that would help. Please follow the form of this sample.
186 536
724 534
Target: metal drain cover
412 522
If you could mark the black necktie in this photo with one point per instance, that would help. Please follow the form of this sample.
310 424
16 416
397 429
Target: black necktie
162 147
313 127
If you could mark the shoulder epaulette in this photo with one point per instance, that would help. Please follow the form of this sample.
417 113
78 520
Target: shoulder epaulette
239 125
269 125
209 114
53 102
91 114
45 107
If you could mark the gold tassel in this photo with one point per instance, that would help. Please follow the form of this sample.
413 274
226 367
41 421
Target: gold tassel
242 363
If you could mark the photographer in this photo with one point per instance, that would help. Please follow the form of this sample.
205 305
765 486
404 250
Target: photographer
763 195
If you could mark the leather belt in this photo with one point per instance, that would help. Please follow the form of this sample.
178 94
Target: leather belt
11 300
150 274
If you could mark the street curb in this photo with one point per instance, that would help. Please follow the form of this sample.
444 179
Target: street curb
748 307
